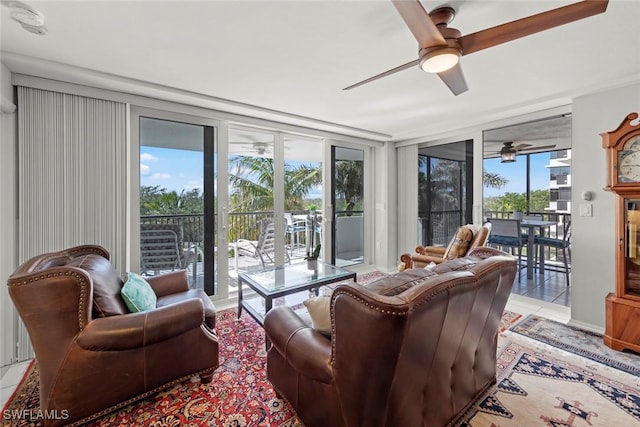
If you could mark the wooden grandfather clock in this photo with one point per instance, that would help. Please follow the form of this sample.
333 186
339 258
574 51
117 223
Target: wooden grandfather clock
622 329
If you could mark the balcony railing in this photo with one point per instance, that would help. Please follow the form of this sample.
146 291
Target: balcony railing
242 225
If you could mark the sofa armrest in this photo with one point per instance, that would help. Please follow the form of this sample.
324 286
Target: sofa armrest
304 348
136 330
169 283
435 251
407 261
423 260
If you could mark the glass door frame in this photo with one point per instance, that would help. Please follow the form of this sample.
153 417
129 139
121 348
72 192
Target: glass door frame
328 194
220 229
465 191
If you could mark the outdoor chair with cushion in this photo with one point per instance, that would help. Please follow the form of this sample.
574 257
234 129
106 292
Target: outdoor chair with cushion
466 238
94 352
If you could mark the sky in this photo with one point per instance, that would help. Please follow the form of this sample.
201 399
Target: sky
178 170
172 169
515 173
183 169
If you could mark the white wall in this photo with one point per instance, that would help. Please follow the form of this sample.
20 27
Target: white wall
8 209
593 238
385 208
407 196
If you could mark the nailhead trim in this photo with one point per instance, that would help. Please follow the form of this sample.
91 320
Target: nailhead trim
51 274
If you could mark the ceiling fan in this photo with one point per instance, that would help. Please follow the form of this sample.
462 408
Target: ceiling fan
508 151
441 47
251 148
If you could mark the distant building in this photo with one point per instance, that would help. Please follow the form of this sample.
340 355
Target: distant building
560 181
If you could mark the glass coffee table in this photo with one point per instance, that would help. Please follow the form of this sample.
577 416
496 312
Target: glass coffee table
275 282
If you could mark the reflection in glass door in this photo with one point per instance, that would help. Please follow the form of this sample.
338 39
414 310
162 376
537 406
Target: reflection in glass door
348 202
177 200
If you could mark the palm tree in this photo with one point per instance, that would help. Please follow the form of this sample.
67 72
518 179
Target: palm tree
251 182
493 179
349 182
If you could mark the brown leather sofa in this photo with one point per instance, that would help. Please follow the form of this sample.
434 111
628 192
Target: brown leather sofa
93 355
437 254
412 349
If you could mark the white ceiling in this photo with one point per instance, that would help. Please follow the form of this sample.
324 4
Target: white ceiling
295 57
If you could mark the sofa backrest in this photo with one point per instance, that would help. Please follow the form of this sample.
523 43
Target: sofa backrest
429 336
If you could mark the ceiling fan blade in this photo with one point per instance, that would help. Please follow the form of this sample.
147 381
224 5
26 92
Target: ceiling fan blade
522 146
454 79
533 24
419 22
537 148
386 73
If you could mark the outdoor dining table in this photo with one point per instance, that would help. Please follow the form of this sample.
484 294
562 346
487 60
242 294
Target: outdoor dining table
531 225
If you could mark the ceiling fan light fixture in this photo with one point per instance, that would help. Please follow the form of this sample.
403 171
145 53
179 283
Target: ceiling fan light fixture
24 14
508 157
440 59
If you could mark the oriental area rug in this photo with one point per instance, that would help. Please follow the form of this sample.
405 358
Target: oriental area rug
537 384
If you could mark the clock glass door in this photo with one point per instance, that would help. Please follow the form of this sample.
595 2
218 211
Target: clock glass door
632 276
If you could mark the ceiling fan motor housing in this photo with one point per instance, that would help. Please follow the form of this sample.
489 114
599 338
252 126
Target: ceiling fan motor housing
441 17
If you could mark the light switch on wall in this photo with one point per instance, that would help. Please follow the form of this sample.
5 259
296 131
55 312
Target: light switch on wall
586 209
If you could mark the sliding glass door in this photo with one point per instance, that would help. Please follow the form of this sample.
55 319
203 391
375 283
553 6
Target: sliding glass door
251 223
348 201
445 191
178 200
274 183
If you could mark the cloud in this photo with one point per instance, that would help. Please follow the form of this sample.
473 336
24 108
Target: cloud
146 157
159 175
144 169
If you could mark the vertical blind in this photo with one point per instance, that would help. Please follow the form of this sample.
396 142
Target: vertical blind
72 179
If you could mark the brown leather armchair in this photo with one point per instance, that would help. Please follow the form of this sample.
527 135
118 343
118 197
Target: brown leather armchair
412 349
93 355
437 254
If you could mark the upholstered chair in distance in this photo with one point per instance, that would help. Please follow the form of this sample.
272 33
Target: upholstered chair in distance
413 349
94 355
465 239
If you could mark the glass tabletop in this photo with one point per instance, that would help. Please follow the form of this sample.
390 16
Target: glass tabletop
295 275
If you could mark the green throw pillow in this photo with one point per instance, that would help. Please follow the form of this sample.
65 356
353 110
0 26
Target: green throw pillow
138 294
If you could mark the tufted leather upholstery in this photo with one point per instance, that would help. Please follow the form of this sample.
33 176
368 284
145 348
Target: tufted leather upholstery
412 349
437 254
93 355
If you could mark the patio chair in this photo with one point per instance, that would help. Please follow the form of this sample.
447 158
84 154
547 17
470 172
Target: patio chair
265 248
507 233
162 249
564 244
295 227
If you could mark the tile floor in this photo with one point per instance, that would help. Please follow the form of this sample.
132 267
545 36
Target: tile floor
546 296
548 287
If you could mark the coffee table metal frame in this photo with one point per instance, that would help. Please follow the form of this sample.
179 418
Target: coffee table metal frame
270 294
